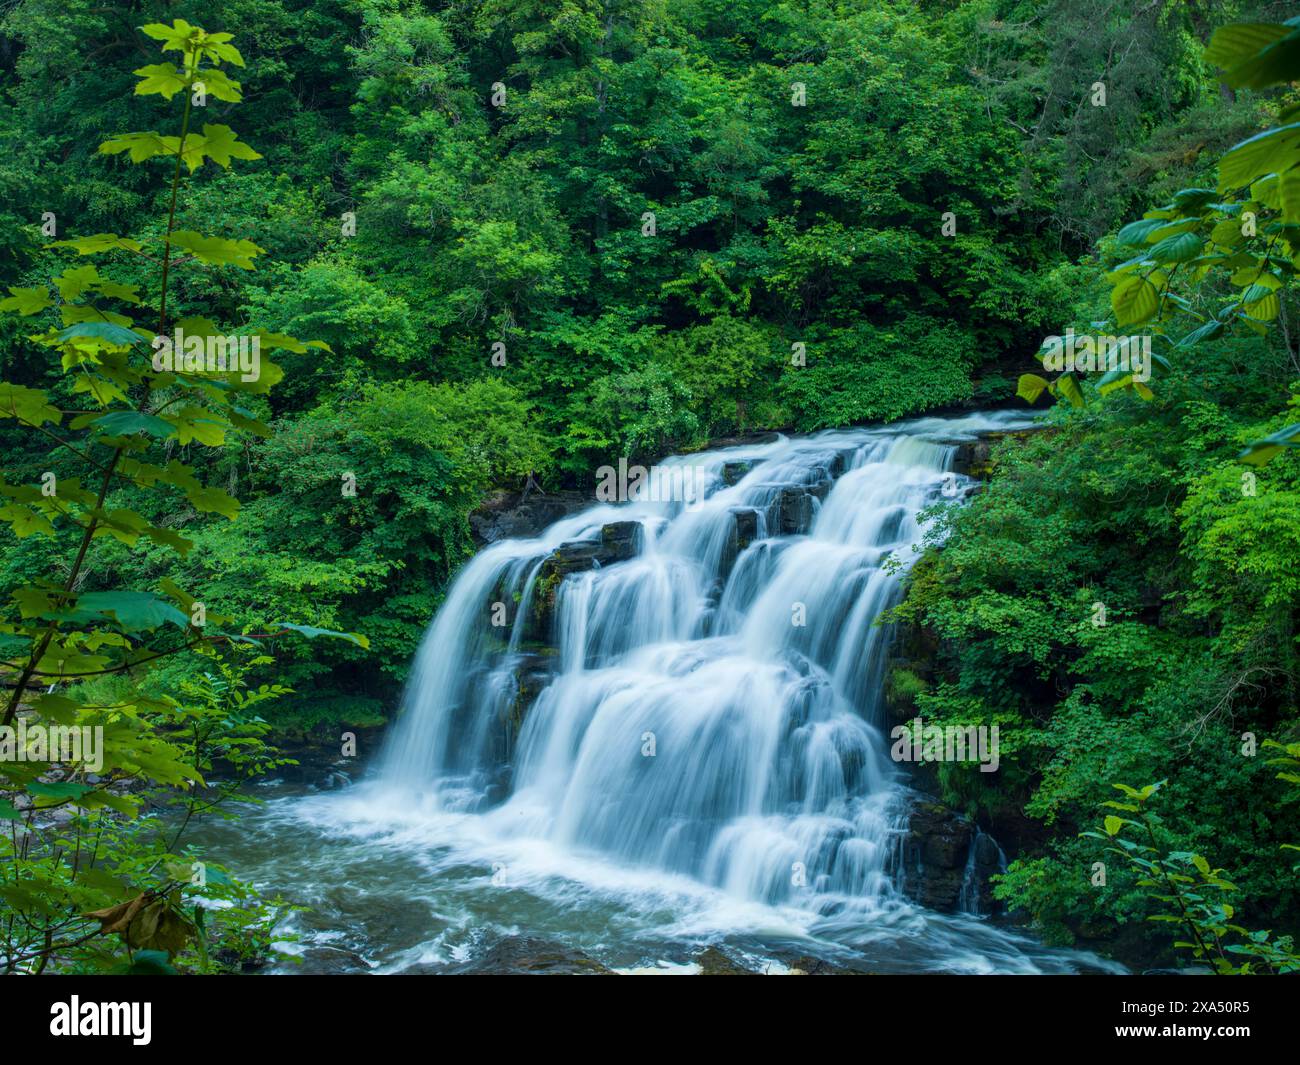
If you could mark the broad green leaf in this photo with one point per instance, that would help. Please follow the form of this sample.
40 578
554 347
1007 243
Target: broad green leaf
1272 151
1178 248
27 405
163 79
221 145
1134 300
134 611
214 501
1262 451
312 632
123 422
110 332
216 250
27 301
1030 387
99 243
141 146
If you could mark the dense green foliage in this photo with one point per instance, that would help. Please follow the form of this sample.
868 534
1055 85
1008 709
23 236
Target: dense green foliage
1123 598
799 161
536 235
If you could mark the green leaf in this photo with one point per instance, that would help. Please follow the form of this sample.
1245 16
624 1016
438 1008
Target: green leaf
1255 55
215 250
27 405
312 632
1113 824
164 79
106 331
141 146
1262 451
1135 233
1178 248
24 521
1030 387
124 422
134 611
1069 388
27 301
1272 151
57 792
214 501
1134 300
221 145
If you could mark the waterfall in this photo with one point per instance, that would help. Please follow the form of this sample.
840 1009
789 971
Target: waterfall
692 687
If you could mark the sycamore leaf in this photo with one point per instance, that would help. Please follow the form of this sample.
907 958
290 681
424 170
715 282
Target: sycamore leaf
27 405
98 243
141 146
216 250
164 79
27 301
175 38
197 423
216 83
214 501
25 521
221 145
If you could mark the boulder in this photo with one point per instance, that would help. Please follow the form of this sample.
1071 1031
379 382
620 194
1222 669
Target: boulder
936 851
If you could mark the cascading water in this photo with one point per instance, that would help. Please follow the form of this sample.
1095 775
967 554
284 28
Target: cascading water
673 739
714 704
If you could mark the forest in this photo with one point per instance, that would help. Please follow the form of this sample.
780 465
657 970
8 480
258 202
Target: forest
411 259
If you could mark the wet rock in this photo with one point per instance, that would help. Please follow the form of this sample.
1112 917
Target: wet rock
520 956
619 540
746 520
507 515
972 458
822 482
742 533
734 472
935 850
794 510
713 962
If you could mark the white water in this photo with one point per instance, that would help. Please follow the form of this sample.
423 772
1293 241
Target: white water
707 759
